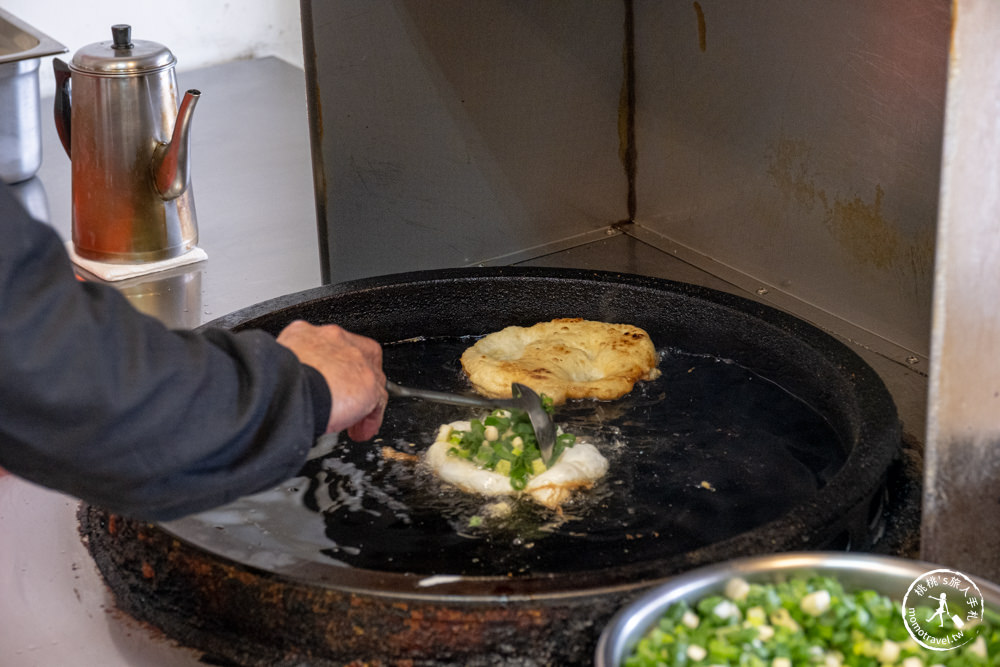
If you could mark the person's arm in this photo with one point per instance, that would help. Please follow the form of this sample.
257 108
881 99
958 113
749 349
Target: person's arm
104 403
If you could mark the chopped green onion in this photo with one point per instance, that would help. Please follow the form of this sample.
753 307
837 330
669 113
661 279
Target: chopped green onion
514 453
800 621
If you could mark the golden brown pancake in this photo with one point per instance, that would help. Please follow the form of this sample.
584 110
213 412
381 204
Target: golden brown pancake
566 358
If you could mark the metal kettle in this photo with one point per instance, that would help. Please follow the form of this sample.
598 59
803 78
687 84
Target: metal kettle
117 115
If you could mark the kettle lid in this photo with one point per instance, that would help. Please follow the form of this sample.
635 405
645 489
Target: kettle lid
122 55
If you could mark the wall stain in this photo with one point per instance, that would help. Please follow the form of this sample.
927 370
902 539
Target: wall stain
789 170
861 229
859 224
702 29
627 151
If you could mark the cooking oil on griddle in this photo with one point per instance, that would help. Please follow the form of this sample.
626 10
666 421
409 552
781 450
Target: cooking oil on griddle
704 453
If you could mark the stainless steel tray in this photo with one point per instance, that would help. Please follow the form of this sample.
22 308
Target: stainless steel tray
20 41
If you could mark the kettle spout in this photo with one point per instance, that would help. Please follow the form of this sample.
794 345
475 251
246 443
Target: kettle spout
172 162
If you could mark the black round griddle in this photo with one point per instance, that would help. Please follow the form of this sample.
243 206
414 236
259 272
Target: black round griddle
706 452
763 434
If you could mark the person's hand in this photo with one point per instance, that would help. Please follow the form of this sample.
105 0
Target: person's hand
352 367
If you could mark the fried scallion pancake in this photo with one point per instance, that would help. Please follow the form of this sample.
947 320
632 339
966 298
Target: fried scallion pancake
566 358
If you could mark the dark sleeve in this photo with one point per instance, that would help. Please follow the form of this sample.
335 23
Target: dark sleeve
102 402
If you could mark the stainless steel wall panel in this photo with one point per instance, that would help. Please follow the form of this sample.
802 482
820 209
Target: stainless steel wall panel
453 132
799 144
789 150
961 521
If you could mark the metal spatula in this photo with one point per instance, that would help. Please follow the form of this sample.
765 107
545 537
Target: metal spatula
524 398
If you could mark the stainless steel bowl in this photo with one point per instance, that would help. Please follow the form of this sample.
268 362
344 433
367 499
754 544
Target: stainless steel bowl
887 575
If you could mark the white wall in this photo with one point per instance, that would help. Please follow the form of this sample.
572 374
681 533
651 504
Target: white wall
198 32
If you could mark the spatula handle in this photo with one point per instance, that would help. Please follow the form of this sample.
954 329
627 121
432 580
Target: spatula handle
438 396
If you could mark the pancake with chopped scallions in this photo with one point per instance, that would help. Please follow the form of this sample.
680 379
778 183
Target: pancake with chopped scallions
499 456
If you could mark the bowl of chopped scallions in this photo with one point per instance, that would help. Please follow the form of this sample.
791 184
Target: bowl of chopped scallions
810 608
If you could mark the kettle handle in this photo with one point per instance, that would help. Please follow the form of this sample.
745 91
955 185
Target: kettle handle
61 105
